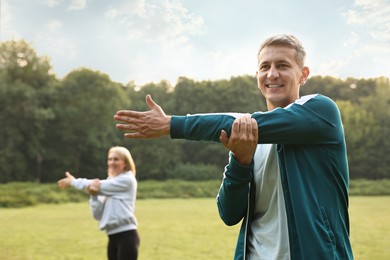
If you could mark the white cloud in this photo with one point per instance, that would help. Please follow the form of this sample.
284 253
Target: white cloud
77 5
381 50
166 23
221 61
352 40
139 8
57 46
53 3
74 5
373 14
54 25
111 13
333 67
7 31
370 55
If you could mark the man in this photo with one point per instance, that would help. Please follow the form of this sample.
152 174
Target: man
291 190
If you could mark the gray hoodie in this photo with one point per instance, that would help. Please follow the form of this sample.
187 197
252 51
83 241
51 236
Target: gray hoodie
114 206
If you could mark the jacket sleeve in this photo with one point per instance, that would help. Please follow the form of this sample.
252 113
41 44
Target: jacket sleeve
118 184
80 183
313 119
96 204
233 195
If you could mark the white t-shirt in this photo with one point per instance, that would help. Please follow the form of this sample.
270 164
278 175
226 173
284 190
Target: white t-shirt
269 232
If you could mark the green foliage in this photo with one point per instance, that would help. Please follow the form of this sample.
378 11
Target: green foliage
22 194
21 63
154 158
195 172
85 104
25 94
369 187
178 189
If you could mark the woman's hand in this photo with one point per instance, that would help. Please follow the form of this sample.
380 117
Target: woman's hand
94 187
65 182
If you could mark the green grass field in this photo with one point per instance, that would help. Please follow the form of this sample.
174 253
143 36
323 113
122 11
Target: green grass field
169 229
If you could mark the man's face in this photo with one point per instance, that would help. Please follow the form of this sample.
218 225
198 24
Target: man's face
279 76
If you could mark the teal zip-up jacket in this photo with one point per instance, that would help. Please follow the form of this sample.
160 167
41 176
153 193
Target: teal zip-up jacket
314 172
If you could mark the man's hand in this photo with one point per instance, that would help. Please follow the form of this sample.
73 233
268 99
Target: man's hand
148 124
243 139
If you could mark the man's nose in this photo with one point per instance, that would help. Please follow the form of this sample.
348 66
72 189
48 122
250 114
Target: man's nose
273 73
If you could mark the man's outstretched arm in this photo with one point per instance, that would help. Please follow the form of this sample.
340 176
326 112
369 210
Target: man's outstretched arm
155 123
148 124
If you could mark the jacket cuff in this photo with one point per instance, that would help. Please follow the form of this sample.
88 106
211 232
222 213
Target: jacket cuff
178 127
239 171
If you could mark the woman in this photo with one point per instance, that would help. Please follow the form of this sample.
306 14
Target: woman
112 203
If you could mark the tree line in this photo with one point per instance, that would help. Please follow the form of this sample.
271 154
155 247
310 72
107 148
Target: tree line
50 125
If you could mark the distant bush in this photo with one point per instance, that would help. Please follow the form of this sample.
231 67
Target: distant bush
369 187
178 189
22 194
195 172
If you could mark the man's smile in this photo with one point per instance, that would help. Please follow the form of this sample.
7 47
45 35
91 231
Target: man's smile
274 85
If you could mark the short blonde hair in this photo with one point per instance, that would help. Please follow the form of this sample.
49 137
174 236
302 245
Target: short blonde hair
124 154
286 40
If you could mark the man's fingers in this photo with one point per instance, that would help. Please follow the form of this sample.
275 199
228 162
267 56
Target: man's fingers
235 127
242 124
150 102
135 119
255 127
129 113
223 138
135 135
128 127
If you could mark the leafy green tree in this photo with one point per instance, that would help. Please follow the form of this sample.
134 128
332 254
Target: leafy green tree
195 172
84 129
378 103
25 87
367 128
21 63
358 124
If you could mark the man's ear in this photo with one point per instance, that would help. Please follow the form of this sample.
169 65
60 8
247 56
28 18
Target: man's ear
305 75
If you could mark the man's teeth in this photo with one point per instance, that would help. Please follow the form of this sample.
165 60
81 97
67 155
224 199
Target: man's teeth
274 86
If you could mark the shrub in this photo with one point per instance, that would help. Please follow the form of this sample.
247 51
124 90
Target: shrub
18 194
21 194
195 172
369 187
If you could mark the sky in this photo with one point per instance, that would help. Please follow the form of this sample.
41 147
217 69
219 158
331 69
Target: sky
144 41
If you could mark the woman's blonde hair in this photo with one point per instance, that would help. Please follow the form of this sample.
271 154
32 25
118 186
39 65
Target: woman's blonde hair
124 154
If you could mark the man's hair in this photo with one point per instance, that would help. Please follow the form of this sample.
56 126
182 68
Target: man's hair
286 40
